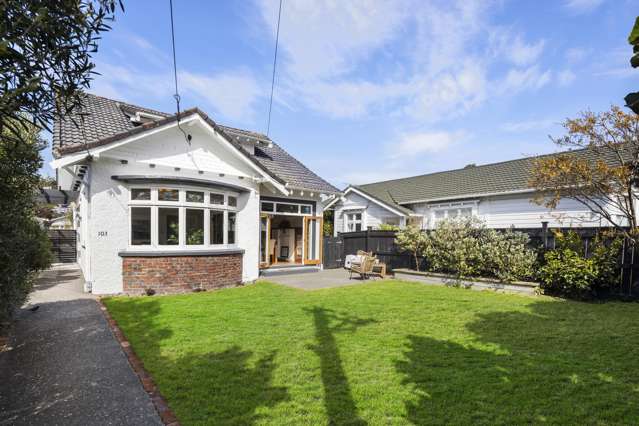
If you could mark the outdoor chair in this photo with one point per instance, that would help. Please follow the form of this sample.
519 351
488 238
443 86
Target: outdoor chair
364 268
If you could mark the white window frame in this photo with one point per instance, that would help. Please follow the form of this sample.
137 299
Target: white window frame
182 205
361 221
275 212
448 207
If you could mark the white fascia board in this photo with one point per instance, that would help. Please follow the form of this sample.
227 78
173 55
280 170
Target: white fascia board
336 198
242 157
379 203
68 160
466 196
354 208
96 151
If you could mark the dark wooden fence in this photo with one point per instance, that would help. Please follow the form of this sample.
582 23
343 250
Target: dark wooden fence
63 245
382 244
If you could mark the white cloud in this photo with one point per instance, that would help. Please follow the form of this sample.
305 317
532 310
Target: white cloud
566 77
525 126
232 94
582 6
531 78
576 54
424 61
416 144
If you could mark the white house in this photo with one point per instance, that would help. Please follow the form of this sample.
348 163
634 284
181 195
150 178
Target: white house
497 193
174 205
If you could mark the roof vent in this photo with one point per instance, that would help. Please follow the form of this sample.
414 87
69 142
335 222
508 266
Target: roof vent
470 166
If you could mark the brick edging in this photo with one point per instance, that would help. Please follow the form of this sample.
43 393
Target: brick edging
161 406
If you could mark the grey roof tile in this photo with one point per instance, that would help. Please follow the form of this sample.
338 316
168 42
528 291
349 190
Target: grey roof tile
104 120
502 177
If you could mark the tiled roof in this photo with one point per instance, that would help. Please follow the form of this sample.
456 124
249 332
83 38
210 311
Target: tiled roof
384 197
503 177
104 120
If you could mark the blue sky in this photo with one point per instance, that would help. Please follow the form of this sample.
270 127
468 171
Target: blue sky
377 89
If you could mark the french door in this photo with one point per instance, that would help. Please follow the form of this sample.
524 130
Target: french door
265 241
312 240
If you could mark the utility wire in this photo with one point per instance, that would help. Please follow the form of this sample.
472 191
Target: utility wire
277 39
177 93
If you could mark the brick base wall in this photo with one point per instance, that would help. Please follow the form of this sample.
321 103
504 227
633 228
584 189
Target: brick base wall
179 274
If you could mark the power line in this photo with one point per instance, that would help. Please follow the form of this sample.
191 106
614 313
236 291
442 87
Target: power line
176 96
277 39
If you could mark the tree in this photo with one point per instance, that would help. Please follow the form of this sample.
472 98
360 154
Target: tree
605 180
412 239
45 63
632 99
24 246
45 58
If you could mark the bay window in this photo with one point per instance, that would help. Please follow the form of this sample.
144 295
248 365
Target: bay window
168 226
194 227
161 217
141 226
216 227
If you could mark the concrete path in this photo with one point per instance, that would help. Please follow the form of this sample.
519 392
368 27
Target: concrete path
64 366
328 278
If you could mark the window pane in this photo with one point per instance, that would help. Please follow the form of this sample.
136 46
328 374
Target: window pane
267 207
194 226
194 196
305 209
231 235
168 194
358 226
466 212
288 208
140 194
217 199
140 226
232 201
216 227
168 226
358 216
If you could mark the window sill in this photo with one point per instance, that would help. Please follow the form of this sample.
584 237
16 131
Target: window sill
165 253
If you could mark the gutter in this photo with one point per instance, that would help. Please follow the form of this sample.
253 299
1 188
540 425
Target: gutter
464 196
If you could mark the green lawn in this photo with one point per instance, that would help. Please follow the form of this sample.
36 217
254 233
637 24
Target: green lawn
386 353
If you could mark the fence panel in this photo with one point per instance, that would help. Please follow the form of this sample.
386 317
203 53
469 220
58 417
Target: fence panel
63 245
333 252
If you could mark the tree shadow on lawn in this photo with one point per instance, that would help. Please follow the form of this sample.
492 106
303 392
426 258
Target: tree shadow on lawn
559 363
222 387
338 400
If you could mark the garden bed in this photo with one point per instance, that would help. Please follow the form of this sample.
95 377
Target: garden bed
522 287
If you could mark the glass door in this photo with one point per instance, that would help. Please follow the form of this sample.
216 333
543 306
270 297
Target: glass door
265 241
312 240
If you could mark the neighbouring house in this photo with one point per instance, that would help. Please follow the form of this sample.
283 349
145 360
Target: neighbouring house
174 205
497 193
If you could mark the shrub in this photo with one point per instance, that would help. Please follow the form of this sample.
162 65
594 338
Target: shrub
388 227
413 240
568 272
464 247
24 246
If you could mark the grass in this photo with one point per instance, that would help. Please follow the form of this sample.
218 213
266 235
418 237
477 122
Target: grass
386 353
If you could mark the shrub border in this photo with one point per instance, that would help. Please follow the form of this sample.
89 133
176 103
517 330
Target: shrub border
161 406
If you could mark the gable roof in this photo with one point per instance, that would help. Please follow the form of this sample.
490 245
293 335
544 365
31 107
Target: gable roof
103 121
471 181
382 197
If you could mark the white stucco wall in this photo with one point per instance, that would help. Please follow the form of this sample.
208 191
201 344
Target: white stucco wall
105 211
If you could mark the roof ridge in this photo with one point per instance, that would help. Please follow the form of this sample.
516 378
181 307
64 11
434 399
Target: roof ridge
477 166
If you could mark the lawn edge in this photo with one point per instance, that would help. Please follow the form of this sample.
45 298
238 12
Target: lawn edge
148 384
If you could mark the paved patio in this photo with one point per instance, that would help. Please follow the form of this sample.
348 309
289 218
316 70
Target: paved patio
328 278
64 366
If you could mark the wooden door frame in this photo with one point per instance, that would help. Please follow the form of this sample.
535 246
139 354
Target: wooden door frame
263 265
305 239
